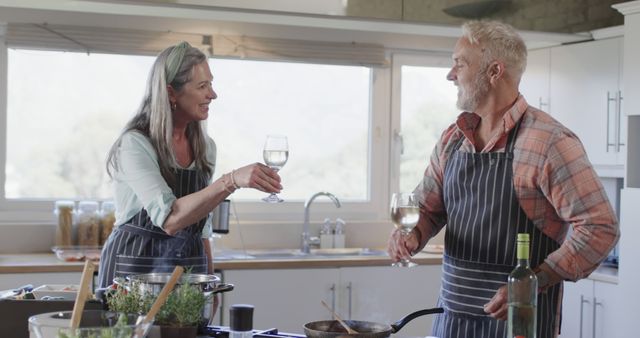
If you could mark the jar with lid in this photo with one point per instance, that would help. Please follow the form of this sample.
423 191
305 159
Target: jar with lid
64 212
88 223
107 220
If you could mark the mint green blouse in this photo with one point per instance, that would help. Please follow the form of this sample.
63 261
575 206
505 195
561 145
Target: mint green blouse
138 183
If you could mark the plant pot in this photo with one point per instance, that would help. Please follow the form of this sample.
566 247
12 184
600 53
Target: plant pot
178 331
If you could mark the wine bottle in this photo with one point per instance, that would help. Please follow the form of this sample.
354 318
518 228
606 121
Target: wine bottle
522 287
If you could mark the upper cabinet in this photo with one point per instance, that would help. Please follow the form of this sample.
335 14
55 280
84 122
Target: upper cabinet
535 80
586 96
581 86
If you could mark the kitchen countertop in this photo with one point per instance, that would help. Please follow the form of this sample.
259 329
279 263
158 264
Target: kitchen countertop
46 262
36 263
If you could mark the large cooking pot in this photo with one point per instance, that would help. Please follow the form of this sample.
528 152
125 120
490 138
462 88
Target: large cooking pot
209 284
333 329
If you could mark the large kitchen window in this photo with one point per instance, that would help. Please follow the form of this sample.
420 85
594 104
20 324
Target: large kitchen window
65 109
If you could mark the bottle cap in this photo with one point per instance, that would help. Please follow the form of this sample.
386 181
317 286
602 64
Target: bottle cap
241 316
523 237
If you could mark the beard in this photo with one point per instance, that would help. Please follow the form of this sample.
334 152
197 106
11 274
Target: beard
469 98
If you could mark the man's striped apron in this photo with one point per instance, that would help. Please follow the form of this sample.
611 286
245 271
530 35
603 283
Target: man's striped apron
484 217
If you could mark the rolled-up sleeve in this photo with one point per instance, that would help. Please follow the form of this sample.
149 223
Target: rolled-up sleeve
573 188
138 170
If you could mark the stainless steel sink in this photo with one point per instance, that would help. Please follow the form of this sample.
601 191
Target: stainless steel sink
294 254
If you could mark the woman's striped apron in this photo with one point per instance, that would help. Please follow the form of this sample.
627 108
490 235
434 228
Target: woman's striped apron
484 217
138 246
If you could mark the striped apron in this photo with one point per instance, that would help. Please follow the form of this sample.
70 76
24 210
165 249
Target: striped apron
138 246
484 217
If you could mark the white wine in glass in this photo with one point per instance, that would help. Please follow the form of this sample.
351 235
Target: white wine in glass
404 214
275 154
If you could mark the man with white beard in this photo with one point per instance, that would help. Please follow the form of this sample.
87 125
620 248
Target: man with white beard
503 168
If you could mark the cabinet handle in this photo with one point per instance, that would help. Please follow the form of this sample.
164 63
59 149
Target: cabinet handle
333 297
582 302
540 103
595 305
609 99
619 120
349 288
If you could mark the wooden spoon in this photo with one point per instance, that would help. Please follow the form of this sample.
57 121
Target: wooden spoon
81 297
162 297
335 315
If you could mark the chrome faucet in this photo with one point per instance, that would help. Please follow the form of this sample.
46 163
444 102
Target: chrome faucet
305 247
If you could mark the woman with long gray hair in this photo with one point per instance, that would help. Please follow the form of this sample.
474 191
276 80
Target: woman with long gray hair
162 167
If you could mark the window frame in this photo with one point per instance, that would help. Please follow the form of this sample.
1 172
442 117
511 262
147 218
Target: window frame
37 211
397 61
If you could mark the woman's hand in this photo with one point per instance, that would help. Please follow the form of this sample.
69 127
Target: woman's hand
258 176
497 306
400 246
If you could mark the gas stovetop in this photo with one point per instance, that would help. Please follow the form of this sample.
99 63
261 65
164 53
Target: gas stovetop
223 332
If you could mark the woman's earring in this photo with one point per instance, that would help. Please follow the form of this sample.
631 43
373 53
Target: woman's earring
173 106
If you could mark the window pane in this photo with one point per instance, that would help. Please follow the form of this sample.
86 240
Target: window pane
428 106
322 109
64 111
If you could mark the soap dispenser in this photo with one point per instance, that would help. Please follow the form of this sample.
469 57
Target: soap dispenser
338 237
326 237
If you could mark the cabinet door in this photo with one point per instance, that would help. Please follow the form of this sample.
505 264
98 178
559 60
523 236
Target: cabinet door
534 85
584 86
386 294
604 309
284 299
577 307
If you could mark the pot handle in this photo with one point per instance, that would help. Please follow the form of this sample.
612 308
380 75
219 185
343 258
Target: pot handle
395 327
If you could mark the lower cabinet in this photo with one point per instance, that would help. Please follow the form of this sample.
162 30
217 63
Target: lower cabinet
286 299
587 309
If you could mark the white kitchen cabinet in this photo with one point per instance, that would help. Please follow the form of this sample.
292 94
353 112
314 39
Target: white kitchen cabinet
586 96
285 299
387 294
588 309
534 85
288 298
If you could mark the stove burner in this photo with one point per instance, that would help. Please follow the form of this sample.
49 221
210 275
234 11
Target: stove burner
223 332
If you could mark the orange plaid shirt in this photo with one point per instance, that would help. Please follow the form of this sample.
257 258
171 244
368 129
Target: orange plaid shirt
554 181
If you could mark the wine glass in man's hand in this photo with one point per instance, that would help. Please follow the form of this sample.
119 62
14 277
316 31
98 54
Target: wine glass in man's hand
404 214
276 154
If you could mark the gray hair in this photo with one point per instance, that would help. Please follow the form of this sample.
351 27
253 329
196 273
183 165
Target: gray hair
154 118
499 41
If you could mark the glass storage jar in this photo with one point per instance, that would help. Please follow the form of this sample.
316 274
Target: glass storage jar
107 220
88 223
64 212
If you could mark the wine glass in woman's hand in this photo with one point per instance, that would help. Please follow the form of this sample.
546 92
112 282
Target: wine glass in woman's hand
404 214
276 154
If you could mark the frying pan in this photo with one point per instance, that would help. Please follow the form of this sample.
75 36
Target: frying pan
333 329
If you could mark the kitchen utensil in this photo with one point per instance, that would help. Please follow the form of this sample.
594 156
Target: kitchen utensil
162 296
81 297
335 315
333 329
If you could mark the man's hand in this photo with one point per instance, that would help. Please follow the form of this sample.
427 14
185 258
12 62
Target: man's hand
400 246
497 306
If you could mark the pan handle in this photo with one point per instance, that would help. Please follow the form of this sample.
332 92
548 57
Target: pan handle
395 327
